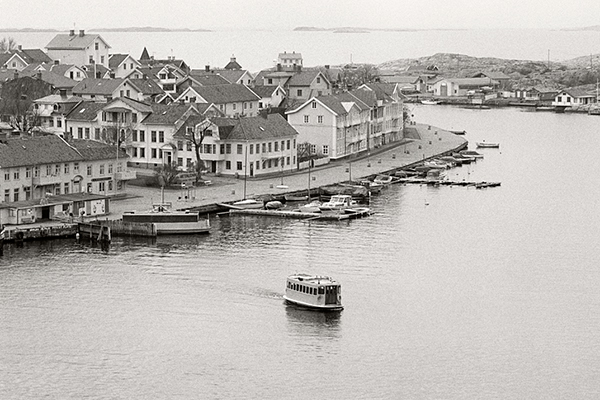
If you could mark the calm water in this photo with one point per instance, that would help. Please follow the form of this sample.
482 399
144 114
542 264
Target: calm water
256 49
450 293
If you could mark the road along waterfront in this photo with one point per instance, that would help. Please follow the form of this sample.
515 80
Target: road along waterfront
449 292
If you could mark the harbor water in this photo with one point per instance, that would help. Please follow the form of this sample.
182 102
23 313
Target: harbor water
449 292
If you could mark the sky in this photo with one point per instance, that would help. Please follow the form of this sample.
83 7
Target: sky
286 14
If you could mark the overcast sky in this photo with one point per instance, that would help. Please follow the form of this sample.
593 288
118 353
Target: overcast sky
266 14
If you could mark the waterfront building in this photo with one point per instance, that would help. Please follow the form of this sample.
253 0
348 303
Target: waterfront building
249 146
79 49
233 100
576 96
535 93
453 87
290 60
36 167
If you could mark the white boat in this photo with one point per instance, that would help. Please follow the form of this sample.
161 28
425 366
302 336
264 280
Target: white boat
382 179
314 291
430 102
273 205
488 145
248 203
338 202
312 207
169 221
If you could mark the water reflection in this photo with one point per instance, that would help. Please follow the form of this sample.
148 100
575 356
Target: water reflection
306 322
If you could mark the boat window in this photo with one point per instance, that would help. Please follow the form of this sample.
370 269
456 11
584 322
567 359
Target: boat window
321 290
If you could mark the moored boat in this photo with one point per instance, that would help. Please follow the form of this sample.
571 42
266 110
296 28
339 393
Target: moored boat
314 291
488 145
169 221
337 202
430 102
248 203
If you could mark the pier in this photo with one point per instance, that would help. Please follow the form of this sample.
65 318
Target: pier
326 216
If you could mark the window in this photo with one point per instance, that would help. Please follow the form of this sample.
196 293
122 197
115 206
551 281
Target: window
227 164
97 133
188 162
16 175
180 161
270 147
313 149
228 148
188 146
288 144
299 92
251 149
91 60
48 170
320 119
325 149
318 80
57 169
110 168
239 165
180 145
27 190
101 169
135 151
89 170
101 59
28 172
76 168
51 122
80 133
270 81
87 133
264 146
153 152
161 136
240 149
276 146
96 46
58 122
234 106
66 188
16 194
153 136
134 115
222 148
142 152
7 195
257 148
101 186
306 119
258 165
142 136
314 104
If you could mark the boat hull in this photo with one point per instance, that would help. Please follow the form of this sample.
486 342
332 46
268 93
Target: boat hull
329 307
182 228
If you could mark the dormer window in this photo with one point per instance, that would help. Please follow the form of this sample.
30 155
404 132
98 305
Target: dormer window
314 104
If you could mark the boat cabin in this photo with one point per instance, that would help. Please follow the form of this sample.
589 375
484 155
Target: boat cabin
314 291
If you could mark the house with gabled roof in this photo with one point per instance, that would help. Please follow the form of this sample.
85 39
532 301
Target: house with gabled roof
576 96
450 87
270 96
69 71
335 126
42 167
231 99
166 76
252 146
299 84
79 49
498 76
20 58
387 112
108 89
52 110
290 60
121 65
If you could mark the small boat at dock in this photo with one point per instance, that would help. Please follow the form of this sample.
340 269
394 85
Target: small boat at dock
314 291
431 102
338 202
169 221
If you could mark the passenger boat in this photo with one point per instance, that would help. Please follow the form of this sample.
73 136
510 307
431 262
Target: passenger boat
169 221
488 145
314 291
338 202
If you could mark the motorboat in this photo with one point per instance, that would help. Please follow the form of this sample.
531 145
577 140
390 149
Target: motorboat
430 102
313 291
471 153
338 202
488 145
312 207
248 203
169 221
382 179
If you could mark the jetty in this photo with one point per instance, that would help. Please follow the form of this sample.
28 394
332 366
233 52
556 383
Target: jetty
325 216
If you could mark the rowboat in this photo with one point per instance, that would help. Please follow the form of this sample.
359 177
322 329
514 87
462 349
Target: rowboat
487 145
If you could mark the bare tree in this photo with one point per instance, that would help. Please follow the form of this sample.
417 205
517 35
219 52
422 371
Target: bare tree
354 76
195 135
7 44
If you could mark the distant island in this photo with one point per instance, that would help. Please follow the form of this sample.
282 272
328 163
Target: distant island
147 29
586 28
352 29
27 30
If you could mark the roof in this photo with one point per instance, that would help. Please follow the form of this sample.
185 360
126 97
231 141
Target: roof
471 81
254 128
581 91
58 99
232 75
145 55
497 75
65 41
264 90
92 150
305 77
35 150
208 78
135 104
36 55
163 114
91 68
85 111
147 86
292 55
59 81
114 60
97 86
230 93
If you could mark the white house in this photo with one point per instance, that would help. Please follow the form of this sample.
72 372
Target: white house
79 49
576 96
231 99
122 65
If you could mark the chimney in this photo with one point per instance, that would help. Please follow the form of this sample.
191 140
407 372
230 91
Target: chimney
232 59
81 33
327 67
207 68
38 75
72 32
20 48
112 75
63 92
278 67
56 62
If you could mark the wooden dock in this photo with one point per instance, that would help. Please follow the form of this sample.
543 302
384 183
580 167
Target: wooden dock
326 216
444 182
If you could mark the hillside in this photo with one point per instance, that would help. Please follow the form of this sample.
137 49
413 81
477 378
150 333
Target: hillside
578 71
